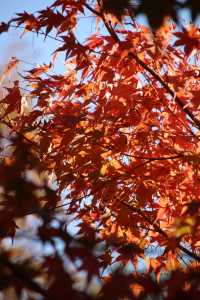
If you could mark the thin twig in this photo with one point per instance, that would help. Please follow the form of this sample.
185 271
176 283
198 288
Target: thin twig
157 228
151 71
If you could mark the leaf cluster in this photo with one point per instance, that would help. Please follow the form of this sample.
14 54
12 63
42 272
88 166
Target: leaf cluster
99 165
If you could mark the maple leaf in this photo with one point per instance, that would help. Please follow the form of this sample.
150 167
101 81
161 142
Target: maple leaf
117 8
4 27
189 38
100 174
9 68
13 99
28 19
70 4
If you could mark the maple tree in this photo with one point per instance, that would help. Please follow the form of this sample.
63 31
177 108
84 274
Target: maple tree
100 165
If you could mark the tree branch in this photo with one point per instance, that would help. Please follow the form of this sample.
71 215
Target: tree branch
159 230
167 88
151 71
154 158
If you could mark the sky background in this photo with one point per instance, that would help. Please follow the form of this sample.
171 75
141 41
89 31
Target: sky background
33 48
28 47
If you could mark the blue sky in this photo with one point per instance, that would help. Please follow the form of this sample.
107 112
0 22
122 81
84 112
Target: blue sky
30 47
33 48
10 7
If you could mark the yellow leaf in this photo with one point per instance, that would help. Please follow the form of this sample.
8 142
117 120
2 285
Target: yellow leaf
106 154
183 230
103 169
114 163
190 221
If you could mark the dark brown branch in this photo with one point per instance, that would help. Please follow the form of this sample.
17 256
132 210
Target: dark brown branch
152 72
154 158
137 59
167 88
157 228
95 12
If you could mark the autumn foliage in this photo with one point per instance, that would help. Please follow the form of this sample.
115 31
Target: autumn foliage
99 170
